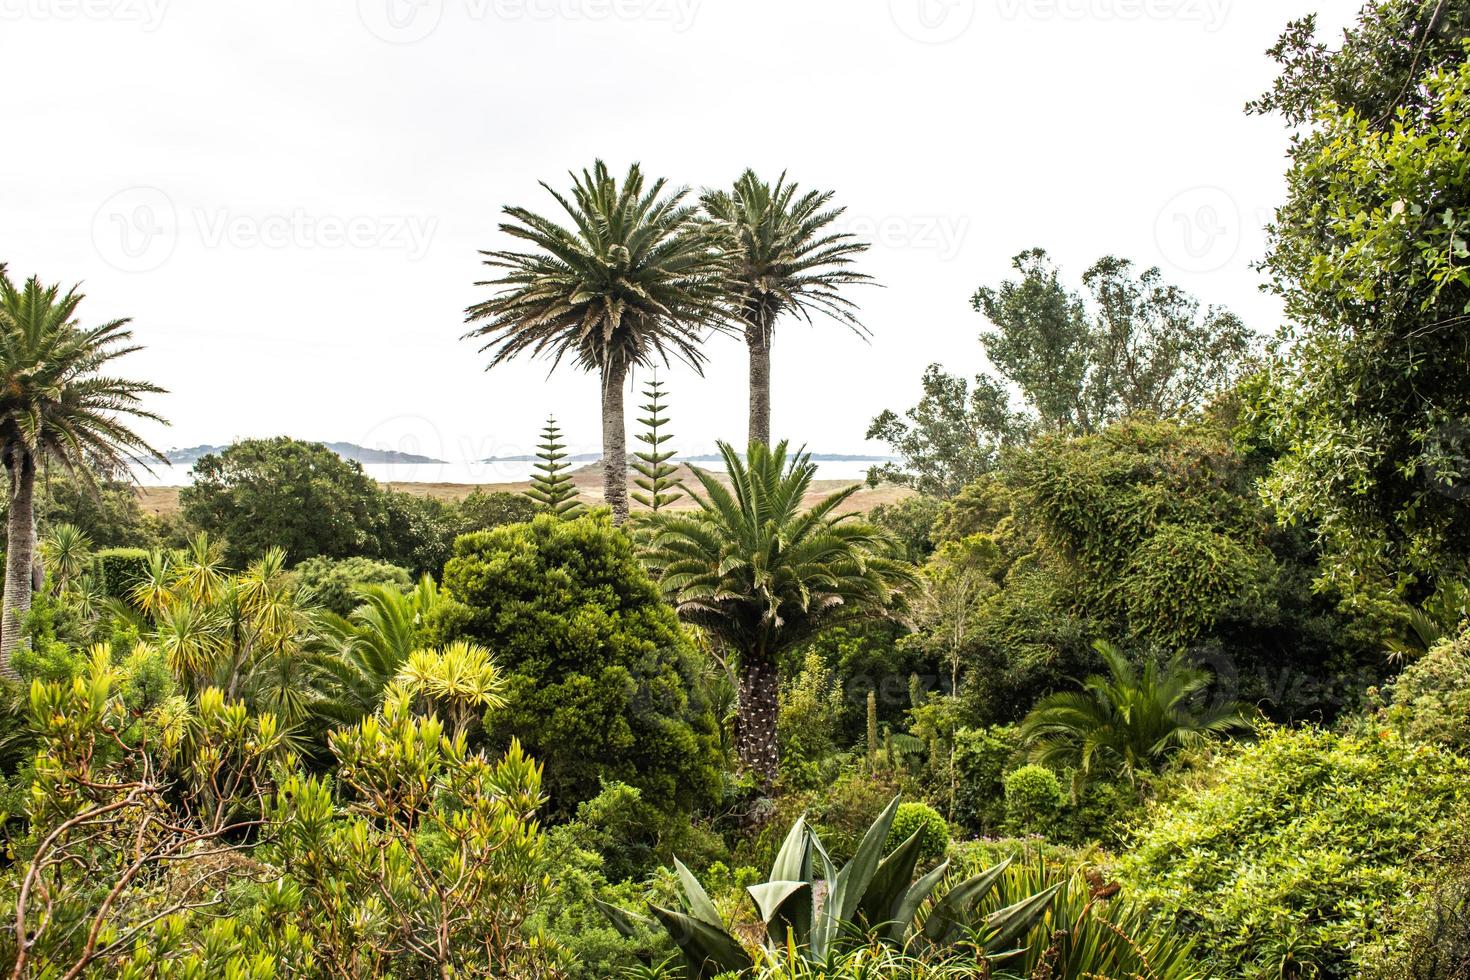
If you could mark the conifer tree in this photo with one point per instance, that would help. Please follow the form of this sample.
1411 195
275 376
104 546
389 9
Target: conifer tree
551 487
653 466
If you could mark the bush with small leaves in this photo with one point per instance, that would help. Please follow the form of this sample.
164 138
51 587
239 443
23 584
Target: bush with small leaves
922 819
1033 799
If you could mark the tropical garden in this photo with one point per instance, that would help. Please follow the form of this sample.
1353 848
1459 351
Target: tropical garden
1158 667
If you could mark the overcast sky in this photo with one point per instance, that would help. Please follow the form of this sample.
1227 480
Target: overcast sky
288 196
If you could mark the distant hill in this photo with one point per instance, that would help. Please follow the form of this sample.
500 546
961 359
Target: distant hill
347 450
701 458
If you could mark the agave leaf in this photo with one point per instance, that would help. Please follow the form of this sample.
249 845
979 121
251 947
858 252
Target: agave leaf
903 917
1014 921
890 882
793 861
696 898
945 921
708 950
785 908
625 922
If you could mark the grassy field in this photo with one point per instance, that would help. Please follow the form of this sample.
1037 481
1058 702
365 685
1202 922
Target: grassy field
588 480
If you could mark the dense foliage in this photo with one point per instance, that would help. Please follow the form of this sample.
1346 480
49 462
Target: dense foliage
602 680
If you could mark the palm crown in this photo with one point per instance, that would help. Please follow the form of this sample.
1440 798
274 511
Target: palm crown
1127 719
784 254
632 279
55 402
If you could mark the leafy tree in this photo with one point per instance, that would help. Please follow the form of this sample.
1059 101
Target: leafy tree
481 511
1140 345
337 583
1134 345
951 438
782 256
1128 721
551 487
762 575
1378 69
910 522
655 472
56 405
300 497
631 283
1369 406
600 676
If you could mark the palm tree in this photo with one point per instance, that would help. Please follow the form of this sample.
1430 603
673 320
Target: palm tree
633 280
1127 720
760 575
56 405
65 551
782 256
374 642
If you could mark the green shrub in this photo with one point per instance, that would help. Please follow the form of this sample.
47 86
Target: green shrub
1033 798
923 819
335 580
117 570
603 684
981 758
1287 856
1431 698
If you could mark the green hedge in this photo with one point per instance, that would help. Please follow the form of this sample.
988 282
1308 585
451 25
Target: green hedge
119 569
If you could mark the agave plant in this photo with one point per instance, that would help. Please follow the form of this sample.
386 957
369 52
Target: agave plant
812 910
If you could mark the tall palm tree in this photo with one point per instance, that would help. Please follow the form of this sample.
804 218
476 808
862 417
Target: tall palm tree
634 279
760 575
1128 720
56 404
783 256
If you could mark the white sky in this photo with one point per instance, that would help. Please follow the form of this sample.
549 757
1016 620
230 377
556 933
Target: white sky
288 196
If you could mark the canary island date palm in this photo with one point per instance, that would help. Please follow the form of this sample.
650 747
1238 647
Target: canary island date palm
1128 721
58 405
783 256
761 574
633 280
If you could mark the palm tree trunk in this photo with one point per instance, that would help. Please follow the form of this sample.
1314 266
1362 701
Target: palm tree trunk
758 339
19 554
614 442
755 743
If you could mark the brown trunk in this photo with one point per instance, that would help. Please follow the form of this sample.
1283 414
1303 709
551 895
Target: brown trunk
19 554
756 741
614 442
758 339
